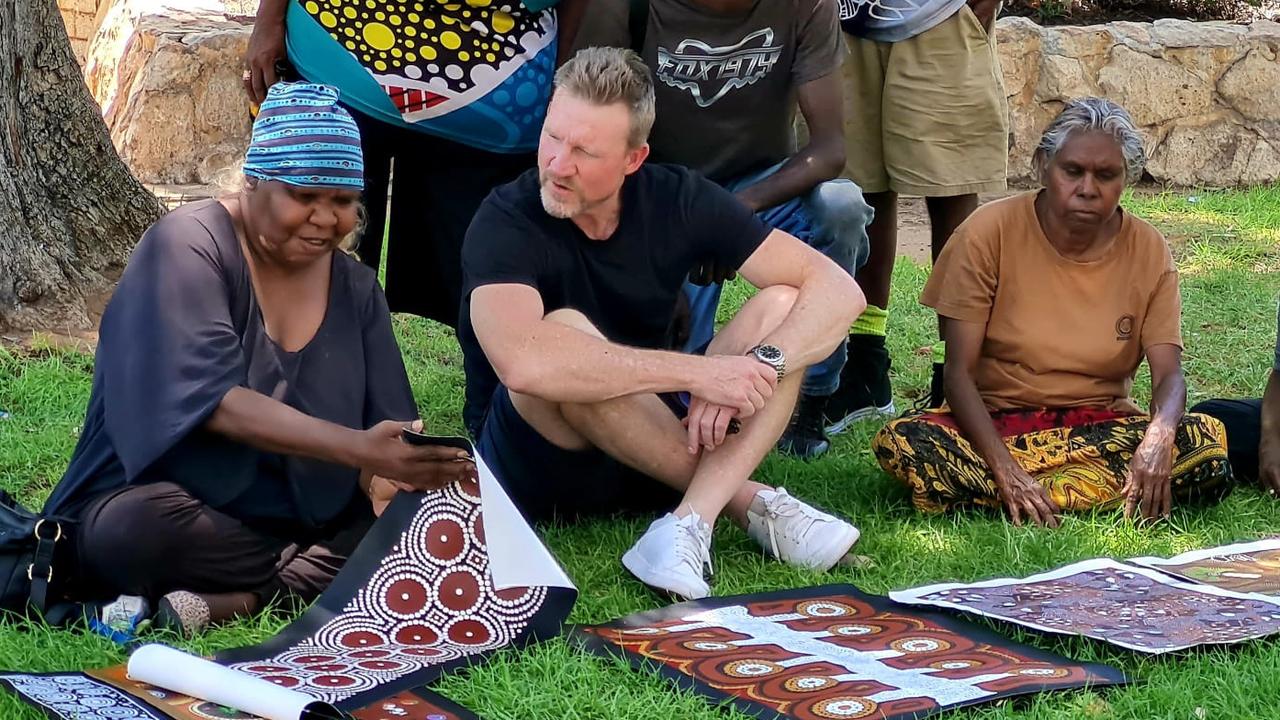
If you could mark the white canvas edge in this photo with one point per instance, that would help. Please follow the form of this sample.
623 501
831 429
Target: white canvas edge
517 557
913 597
1194 555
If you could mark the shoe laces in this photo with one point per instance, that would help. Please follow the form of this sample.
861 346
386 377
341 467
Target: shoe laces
692 544
783 507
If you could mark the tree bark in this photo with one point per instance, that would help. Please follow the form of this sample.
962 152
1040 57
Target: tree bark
70 211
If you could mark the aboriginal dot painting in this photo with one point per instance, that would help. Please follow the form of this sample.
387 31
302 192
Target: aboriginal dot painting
415 600
77 696
491 59
833 652
1245 567
1133 607
74 696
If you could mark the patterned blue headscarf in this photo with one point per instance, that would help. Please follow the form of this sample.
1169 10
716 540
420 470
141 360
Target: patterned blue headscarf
303 137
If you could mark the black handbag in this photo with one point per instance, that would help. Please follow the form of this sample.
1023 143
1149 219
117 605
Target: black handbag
28 545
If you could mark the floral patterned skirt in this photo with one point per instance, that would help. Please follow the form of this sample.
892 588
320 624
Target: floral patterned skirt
1080 455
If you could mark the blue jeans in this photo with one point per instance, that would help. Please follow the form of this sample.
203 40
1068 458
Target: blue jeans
832 219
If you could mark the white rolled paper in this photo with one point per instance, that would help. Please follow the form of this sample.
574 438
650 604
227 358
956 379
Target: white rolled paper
174 670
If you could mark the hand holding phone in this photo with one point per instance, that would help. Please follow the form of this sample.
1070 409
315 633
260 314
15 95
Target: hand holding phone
414 437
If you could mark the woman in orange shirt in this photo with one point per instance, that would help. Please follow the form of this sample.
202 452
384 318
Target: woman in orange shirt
1050 301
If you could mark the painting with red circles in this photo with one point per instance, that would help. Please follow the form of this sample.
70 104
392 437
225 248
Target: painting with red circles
833 652
416 600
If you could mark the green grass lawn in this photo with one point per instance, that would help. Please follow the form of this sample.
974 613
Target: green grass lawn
1227 245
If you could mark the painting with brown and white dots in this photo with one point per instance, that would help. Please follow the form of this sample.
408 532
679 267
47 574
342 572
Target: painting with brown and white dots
416 600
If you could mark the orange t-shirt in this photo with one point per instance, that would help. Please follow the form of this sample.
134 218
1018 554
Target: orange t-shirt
1060 333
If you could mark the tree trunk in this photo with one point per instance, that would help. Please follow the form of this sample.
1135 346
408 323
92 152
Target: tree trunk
70 211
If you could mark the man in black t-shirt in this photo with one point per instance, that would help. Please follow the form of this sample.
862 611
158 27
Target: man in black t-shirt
570 278
729 77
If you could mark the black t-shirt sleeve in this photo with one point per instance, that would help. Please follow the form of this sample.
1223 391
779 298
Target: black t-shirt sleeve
169 350
723 229
499 248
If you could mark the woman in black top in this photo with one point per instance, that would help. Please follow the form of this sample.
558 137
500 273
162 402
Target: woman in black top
247 389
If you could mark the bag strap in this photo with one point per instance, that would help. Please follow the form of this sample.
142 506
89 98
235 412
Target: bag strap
48 531
638 23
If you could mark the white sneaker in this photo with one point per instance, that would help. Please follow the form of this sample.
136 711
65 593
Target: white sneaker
796 533
671 554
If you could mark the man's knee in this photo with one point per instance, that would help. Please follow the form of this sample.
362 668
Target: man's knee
574 319
841 215
771 305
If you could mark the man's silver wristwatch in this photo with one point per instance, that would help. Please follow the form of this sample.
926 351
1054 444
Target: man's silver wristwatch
772 356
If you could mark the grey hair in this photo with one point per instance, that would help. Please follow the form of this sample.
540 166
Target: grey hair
1092 114
605 76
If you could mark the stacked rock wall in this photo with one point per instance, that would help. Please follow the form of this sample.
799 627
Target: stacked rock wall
167 76
1205 95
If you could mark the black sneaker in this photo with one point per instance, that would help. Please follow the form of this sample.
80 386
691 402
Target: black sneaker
864 392
804 438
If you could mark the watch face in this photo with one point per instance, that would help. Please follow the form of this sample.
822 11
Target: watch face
769 353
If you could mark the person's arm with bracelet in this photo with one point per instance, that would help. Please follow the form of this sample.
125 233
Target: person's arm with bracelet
827 301
1023 497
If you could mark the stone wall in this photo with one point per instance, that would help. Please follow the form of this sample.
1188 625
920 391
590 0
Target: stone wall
81 19
167 76
1206 95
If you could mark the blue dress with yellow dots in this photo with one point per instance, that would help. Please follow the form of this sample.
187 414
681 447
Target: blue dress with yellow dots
477 72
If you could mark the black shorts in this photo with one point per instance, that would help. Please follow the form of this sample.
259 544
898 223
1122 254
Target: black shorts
546 481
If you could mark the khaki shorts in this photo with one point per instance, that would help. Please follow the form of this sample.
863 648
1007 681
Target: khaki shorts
927 115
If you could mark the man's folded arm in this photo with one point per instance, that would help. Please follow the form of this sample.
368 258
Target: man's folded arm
559 363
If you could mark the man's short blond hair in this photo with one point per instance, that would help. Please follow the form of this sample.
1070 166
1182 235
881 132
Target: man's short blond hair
604 76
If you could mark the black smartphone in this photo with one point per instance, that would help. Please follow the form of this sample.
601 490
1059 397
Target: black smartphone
417 438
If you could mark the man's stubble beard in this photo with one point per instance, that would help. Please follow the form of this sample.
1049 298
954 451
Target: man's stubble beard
557 209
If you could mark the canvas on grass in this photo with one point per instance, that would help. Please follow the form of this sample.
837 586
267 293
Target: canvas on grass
1133 607
80 696
441 580
1252 567
435 585
833 652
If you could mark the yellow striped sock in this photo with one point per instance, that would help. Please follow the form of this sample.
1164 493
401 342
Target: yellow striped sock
873 321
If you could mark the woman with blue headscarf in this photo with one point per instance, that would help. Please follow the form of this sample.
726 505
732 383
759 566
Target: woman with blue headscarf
247 388
451 95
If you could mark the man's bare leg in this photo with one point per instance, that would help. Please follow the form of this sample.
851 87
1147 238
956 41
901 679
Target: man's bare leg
641 432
